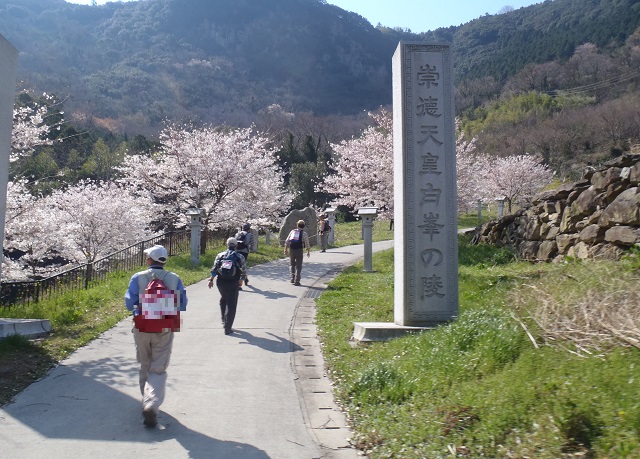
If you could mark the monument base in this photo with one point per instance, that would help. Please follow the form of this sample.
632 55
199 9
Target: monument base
382 331
29 328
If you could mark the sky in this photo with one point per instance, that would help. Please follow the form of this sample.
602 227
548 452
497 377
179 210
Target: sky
417 15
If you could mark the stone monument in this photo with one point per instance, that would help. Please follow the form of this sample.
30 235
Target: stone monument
196 216
331 217
368 214
426 241
8 69
425 212
289 223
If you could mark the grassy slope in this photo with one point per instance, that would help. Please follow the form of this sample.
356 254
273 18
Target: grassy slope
478 387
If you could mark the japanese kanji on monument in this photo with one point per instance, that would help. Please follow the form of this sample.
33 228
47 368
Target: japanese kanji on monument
425 238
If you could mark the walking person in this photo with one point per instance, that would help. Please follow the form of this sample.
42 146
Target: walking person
323 229
229 268
294 246
156 317
245 245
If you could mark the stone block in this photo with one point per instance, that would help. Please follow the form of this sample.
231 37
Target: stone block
580 251
290 221
607 252
567 224
592 234
634 174
552 233
584 204
624 210
547 250
582 224
602 179
575 193
594 217
533 230
611 193
529 250
559 207
623 235
565 241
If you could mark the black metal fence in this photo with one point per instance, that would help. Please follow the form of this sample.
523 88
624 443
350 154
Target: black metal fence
82 276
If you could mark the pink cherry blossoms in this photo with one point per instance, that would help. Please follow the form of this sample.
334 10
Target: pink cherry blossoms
364 168
230 173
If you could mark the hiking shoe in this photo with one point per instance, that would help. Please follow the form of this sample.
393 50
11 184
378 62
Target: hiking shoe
246 281
150 417
228 331
297 283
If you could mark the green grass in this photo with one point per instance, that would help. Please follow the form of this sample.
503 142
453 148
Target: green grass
478 386
470 219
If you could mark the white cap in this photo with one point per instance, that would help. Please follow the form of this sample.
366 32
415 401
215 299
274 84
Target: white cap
232 242
157 253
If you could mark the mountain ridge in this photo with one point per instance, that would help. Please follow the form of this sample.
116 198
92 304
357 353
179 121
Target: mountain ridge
222 61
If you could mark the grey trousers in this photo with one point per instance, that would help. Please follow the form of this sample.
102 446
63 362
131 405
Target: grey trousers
296 256
153 351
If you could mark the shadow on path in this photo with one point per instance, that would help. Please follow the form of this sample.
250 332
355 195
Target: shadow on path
78 403
278 345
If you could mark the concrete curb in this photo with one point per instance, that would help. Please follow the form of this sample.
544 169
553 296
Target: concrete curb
30 328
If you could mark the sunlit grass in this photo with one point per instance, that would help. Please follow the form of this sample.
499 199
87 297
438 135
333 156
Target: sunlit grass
478 387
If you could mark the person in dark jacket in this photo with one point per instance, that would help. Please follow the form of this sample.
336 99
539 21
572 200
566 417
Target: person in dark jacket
245 245
229 268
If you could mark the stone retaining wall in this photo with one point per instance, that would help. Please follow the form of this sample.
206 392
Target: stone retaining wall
597 217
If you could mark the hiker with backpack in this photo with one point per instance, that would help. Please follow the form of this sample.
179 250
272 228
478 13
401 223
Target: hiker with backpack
155 297
229 269
323 229
245 245
296 242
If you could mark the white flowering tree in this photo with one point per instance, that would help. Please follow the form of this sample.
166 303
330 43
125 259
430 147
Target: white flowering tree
230 173
471 167
99 218
76 225
364 168
31 126
27 235
32 240
516 177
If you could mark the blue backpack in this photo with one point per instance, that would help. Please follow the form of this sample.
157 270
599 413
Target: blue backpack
229 266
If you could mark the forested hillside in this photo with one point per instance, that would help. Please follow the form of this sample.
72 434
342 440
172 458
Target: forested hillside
224 60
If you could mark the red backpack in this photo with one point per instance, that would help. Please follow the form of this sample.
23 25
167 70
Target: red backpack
159 309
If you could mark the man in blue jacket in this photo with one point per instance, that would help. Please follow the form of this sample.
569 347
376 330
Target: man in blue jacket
153 329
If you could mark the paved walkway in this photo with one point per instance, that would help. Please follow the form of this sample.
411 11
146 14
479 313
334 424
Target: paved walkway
259 393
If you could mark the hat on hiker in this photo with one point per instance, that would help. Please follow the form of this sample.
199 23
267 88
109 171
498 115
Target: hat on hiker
232 242
157 253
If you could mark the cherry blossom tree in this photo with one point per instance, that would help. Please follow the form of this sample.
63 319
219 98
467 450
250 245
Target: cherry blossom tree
31 235
98 218
516 177
364 168
76 225
26 236
230 173
31 127
471 169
